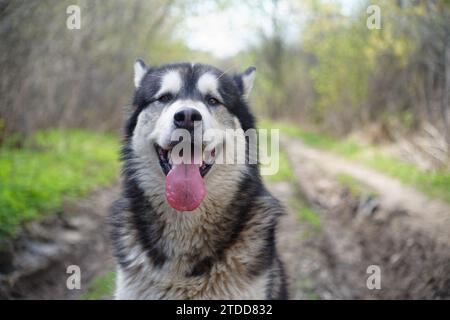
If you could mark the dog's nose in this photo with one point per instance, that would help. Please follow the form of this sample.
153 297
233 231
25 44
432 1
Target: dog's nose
185 118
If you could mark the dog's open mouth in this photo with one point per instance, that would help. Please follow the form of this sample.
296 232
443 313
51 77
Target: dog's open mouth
185 188
166 162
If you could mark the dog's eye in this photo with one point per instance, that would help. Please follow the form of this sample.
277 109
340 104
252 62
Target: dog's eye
213 101
165 98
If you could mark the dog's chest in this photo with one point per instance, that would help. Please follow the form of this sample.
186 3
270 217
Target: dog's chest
189 274
224 281
193 267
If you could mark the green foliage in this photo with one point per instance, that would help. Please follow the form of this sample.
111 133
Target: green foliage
359 73
51 166
342 67
101 288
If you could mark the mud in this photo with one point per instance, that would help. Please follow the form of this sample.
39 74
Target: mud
35 263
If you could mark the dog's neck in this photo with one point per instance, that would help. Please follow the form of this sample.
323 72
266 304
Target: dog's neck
187 233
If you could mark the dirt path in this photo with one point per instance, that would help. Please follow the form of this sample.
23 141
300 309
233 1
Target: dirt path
410 246
432 215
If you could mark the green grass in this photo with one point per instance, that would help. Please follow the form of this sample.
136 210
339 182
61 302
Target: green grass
435 183
308 289
284 172
51 166
101 288
305 213
323 141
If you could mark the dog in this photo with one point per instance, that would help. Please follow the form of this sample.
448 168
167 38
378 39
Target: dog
192 230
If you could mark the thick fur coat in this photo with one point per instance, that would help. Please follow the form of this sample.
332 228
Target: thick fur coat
225 249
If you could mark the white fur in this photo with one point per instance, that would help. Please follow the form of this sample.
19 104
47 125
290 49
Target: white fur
171 83
208 83
139 72
247 80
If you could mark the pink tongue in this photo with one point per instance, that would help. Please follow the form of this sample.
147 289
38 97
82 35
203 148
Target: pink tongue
185 188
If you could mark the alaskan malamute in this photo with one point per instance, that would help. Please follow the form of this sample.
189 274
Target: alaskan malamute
192 229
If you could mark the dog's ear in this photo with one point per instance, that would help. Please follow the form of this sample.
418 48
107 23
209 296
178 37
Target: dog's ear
140 69
244 81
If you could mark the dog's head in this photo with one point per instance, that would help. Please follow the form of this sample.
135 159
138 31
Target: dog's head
174 133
